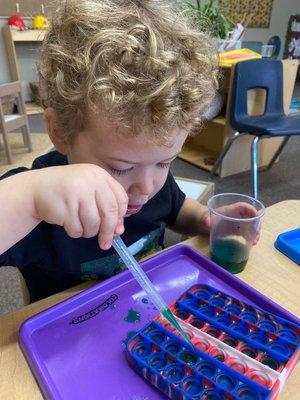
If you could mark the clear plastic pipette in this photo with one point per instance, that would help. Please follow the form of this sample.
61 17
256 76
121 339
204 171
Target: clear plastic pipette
146 284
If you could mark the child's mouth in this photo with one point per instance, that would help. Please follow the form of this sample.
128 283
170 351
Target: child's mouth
133 209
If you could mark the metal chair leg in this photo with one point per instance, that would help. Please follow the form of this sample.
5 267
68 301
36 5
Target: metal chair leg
254 167
278 151
224 152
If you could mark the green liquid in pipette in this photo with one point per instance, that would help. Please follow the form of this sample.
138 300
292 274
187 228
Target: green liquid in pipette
167 313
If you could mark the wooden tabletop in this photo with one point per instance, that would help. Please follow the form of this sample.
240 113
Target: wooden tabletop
267 270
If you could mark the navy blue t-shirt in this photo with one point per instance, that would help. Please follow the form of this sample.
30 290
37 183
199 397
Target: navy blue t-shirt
51 261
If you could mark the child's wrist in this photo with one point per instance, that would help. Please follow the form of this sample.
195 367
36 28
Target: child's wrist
204 221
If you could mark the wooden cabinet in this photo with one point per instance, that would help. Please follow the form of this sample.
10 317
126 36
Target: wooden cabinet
203 149
13 37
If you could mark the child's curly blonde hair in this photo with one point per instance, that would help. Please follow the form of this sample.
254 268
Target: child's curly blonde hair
136 62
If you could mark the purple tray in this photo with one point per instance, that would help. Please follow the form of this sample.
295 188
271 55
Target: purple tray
75 348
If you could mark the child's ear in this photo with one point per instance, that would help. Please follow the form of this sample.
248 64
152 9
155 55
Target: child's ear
55 132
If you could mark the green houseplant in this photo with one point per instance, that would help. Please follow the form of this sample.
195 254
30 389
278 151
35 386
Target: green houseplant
210 16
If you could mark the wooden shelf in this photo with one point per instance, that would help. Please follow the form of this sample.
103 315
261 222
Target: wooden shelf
33 108
220 120
198 155
28 35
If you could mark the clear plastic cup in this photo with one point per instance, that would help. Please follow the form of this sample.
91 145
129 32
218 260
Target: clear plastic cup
235 227
267 50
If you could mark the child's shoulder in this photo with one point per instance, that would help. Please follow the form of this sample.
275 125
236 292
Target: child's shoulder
51 159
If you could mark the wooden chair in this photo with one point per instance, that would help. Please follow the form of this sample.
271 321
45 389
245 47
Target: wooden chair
9 123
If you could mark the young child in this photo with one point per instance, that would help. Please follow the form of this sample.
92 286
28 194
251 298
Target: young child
123 82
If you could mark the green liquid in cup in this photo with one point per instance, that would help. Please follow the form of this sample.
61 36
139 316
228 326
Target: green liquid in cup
230 254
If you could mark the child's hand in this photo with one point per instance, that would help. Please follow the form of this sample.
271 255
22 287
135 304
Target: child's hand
237 210
83 198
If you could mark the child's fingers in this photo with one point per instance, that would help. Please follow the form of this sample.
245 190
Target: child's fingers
120 227
89 218
120 195
72 223
108 210
256 239
239 210
247 210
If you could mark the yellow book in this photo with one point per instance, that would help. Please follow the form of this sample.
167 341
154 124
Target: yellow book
228 58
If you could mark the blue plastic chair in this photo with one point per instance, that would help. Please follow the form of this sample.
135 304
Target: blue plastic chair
276 42
262 74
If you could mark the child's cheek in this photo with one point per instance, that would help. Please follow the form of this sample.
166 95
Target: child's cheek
160 179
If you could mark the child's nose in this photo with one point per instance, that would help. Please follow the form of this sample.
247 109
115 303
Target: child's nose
142 187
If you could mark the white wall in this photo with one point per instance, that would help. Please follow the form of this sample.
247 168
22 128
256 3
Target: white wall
281 12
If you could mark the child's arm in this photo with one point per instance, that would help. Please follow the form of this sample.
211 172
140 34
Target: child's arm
16 210
193 218
82 198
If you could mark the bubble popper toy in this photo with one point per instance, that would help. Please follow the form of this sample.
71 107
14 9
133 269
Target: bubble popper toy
244 344
240 352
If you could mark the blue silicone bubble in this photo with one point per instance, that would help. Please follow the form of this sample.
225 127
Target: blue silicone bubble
142 349
192 387
157 361
226 381
268 325
246 393
172 347
249 316
207 310
188 357
239 327
192 303
157 336
222 319
259 337
206 368
280 347
202 292
174 373
234 309
288 334
217 301
210 394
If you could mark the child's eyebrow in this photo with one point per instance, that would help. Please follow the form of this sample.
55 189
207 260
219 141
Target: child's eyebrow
171 158
134 162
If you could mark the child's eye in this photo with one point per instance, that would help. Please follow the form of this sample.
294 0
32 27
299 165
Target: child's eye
119 172
164 165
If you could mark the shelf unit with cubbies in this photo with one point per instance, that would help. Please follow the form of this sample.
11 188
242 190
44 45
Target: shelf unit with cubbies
203 149
13 37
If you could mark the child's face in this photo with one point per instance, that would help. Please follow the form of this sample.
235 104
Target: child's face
140 166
